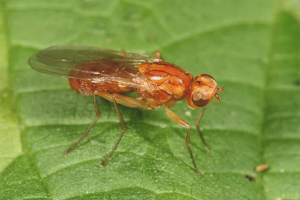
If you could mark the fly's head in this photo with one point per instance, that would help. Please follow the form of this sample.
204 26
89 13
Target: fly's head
202 90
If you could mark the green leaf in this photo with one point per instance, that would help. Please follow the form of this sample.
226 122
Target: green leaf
250 47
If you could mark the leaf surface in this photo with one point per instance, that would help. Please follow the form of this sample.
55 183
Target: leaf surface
250 47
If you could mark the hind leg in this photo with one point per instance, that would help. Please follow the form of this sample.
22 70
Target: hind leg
98 115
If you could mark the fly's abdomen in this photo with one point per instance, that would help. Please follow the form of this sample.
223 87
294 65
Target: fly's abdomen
88 88
110 81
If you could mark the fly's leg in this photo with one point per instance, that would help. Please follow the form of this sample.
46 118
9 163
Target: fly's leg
157 55
198 129
88 129
124 128
183 123
123 53
124 100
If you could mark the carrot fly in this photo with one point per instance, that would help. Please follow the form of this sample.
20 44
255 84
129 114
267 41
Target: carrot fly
108 73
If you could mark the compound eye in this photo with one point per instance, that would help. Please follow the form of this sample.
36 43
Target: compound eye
200 99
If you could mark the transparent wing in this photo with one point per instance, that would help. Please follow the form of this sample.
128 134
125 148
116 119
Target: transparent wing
82 62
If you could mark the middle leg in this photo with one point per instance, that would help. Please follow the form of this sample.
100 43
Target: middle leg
124 100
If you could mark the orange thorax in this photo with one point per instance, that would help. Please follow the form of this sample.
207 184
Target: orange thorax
165 83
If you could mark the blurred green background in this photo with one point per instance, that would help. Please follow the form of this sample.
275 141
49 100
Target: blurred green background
250 47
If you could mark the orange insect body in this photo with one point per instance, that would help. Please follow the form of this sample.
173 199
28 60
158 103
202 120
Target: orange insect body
107 73
165 84
89 87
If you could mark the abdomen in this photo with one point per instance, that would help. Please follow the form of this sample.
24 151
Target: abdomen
88 87
106 79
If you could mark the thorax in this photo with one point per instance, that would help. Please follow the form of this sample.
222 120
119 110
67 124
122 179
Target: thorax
163 82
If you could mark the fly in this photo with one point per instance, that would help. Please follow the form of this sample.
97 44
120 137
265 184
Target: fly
107 73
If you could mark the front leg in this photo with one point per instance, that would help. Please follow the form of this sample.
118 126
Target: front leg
198 128
183 123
